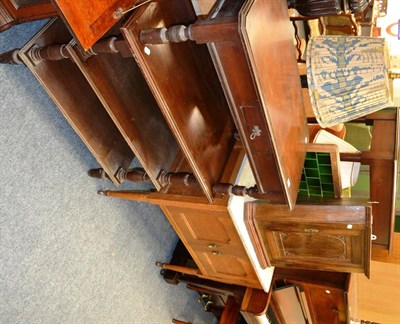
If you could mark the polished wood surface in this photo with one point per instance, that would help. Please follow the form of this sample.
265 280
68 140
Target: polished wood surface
327 293
255 301
211 238
252 50
383 175
207 232
186 87
333 235
251 46
382 158
89 21
77 101
327 305
13 12
121 88
231 311
268 41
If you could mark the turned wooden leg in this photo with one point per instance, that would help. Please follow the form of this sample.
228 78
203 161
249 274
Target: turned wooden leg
135 175
130 195
10 57
53 52
174 34
177 268
56 52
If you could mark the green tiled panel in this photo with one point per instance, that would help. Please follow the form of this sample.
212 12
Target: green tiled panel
316 179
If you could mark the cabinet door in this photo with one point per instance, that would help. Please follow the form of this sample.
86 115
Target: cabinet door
90 20
330 246
321 237
211 238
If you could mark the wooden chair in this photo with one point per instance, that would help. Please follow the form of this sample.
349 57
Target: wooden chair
318 8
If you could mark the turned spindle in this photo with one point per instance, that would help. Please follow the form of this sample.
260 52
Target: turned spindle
10 57
174 34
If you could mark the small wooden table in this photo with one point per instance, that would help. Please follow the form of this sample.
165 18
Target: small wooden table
383 163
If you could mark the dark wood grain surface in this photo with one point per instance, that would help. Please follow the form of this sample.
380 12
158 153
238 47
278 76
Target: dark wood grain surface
121 87
267 37
75 98
186 87
334 235
90 20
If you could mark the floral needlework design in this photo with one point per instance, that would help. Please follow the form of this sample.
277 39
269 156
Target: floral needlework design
347 77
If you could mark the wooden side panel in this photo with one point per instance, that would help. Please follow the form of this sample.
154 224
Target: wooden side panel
383 180
121 88
75 98
186 87
327 305
268 40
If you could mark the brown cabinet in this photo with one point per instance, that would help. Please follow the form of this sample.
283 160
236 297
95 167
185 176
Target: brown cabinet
330 296
213 242
335 235
327 304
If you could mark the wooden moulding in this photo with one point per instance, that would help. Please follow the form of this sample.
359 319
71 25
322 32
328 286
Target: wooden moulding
125 95
89 21
256 65
321 234
185 85
77 101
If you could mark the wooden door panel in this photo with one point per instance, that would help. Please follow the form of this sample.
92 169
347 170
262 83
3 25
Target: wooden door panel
186 87
211 238
311 243
225 265
207 229
334 236
90 20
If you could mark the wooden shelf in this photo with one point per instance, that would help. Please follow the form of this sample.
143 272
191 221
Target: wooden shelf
77 101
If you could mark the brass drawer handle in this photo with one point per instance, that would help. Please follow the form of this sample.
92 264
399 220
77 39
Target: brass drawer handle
212 246
216 253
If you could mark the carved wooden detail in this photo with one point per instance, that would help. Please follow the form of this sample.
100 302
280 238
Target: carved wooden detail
334 235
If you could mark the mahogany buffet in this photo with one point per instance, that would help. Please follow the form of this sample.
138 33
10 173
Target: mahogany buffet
212 108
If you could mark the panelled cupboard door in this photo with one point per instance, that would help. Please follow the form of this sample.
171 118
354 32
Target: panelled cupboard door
90 20
320 237
211 238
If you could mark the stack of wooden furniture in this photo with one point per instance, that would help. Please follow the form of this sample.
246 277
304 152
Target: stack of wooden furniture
191 98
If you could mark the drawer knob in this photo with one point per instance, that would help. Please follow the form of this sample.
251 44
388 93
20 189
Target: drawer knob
212 246
216 253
